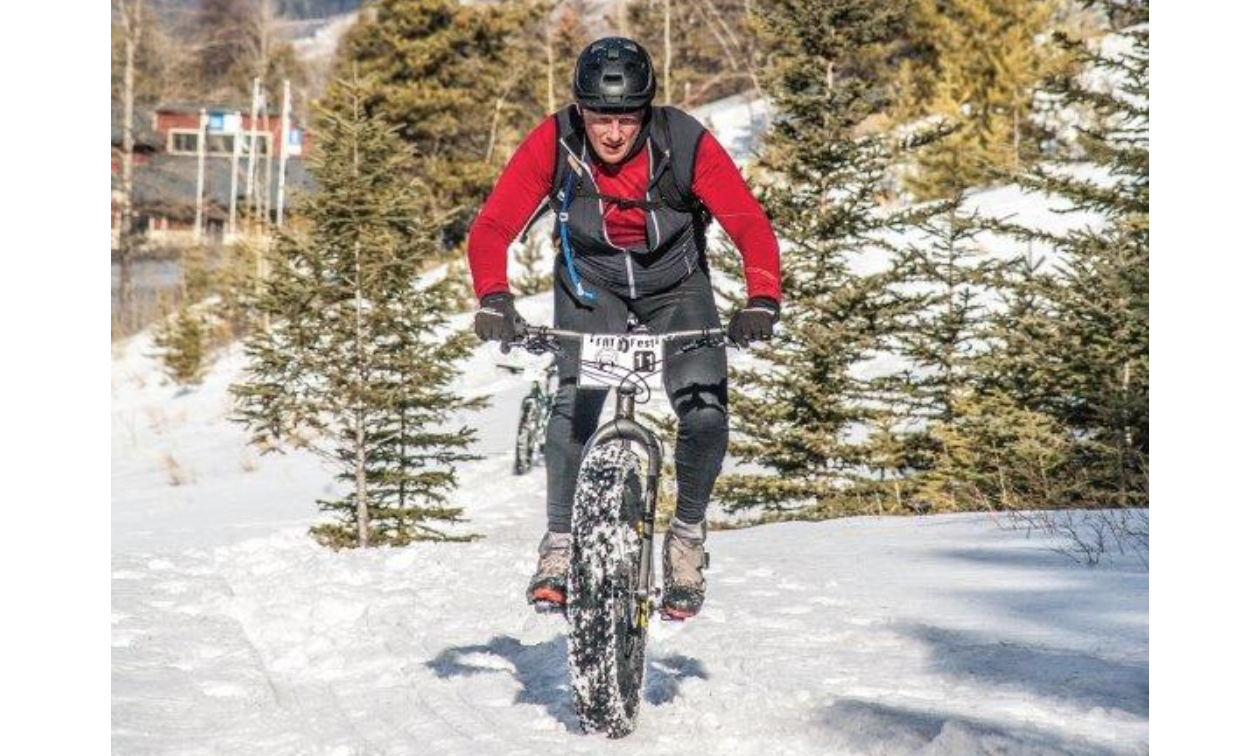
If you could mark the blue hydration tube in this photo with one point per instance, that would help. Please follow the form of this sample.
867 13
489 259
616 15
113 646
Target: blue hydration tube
566 199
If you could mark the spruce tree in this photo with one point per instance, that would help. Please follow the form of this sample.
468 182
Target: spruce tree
237 280
353 365
534 258
713 48
1092 373
457 79
949 283
977 64
183 345
185 340
1017 331
805 415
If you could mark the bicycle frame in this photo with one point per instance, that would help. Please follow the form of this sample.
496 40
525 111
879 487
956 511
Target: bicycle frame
624 427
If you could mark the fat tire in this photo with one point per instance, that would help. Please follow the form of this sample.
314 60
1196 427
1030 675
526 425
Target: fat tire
525 435
606 656
541 419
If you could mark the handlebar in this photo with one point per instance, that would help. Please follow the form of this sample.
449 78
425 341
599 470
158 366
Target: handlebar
540 339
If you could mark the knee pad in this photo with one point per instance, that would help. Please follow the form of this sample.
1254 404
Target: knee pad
704 423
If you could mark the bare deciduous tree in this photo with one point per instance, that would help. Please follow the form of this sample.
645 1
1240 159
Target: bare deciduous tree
130 20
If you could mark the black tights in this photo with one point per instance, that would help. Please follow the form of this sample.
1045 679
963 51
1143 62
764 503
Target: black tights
695 382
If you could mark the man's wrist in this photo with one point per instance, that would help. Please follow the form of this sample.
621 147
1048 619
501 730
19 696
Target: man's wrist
765 303
497 297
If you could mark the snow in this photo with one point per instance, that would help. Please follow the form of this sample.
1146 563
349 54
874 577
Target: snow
233 632
317 40
737 122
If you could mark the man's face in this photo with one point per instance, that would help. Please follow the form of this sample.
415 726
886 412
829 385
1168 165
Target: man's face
612 134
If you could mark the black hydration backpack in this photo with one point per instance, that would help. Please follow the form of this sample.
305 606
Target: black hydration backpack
674 138
677 220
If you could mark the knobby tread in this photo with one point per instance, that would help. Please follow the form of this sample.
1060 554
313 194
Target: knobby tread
526 450
606 659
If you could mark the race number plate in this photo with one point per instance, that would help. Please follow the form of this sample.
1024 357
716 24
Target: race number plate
611 360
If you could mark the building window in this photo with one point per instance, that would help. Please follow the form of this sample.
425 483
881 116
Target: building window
264 142
219 144
182 142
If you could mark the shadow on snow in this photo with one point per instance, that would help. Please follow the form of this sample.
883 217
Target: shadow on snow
542 672
1098 619
871 727
1085 679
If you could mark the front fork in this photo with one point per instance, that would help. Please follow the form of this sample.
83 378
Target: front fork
625 428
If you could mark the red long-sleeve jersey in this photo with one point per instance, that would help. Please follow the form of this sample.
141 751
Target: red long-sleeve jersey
526 181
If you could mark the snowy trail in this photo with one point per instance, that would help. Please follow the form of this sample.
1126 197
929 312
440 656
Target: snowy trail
846 637
233 633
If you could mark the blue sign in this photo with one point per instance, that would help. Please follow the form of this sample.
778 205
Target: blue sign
223 123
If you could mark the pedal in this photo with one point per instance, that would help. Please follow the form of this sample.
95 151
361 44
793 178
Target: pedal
668 616
654 600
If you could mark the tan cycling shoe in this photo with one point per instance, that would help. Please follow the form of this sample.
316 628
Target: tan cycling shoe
548 584
685 561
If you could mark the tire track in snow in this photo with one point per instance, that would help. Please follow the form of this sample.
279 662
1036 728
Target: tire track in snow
215 690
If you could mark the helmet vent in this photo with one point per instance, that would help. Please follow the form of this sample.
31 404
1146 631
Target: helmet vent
614 73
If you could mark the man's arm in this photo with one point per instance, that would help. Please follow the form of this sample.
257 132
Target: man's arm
520 189
720 186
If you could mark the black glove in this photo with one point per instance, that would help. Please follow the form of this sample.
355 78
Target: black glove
497 320
755 322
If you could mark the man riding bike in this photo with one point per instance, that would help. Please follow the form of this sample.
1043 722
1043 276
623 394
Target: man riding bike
633 187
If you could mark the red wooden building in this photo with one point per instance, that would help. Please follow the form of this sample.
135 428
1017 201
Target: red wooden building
165 168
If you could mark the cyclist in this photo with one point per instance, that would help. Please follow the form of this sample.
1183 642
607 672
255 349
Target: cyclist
633 187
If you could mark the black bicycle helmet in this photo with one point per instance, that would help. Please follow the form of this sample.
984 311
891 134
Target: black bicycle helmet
614 74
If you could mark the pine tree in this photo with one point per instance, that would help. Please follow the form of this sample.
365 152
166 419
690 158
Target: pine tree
950 287
533 258
185 341
806 415
353 366
712 45
977 64
948 278
1084 359
182 343
457 80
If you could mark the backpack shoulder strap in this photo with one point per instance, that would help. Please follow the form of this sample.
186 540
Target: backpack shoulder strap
673 135
569 136
567 131
679 134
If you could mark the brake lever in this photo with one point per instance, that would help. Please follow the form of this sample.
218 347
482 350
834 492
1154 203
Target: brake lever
705 341
541 345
